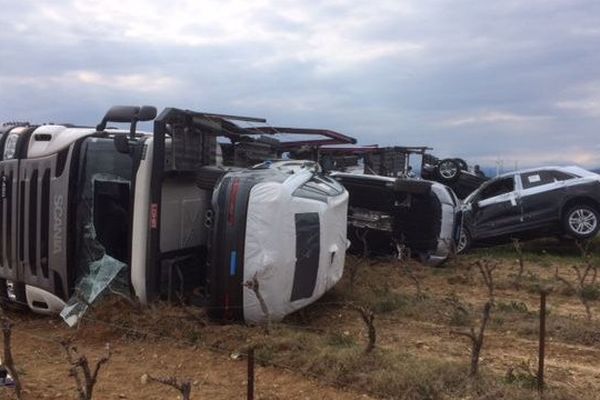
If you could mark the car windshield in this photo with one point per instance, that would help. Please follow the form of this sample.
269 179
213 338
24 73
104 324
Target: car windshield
474 194
102 204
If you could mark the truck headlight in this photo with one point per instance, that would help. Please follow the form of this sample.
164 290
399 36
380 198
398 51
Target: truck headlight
10 147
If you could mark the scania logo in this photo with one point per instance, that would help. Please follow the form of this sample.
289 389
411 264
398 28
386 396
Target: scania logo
58 214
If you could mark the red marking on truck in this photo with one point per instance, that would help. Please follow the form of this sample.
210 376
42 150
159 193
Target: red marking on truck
235 188
154 216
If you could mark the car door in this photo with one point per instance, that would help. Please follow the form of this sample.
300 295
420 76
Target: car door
496 209
541 193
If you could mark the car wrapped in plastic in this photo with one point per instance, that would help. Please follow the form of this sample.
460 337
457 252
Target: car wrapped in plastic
284 224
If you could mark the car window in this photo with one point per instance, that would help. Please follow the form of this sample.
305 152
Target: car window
536 178
561 176
501 186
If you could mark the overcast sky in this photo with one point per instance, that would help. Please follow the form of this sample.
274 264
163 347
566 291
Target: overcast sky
516 80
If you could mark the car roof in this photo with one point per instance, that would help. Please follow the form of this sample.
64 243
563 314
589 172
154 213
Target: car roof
569 168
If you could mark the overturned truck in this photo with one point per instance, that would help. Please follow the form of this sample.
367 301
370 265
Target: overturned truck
85 207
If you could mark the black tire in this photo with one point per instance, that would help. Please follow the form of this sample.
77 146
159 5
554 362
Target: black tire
448 170
581 221
462 164
463 247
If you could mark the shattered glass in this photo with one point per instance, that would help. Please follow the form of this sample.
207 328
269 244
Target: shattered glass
101 274
102 227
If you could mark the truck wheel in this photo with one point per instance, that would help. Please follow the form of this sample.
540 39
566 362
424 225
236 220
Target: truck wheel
464 241
448 170
581 221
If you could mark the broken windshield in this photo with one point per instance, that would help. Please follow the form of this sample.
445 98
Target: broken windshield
102 216
103 197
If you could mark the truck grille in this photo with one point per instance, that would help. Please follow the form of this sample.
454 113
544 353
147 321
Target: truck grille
33 222
34 215
8 225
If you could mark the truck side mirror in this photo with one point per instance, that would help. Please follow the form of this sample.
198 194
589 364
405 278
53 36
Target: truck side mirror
146 113
127 114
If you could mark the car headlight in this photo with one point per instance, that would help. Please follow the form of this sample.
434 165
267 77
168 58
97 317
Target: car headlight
10 147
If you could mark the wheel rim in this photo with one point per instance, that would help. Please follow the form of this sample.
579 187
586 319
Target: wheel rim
583 221
462 241
448 170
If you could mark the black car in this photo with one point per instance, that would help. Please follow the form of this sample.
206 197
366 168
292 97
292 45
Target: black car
531 204
455 173
386 214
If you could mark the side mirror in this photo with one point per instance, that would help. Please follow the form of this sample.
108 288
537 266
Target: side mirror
121 114
131 114
146 113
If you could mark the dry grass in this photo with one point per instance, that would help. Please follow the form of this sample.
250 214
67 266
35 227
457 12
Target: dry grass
339 360
326 340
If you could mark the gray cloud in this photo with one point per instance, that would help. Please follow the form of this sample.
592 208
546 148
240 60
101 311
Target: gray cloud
513 80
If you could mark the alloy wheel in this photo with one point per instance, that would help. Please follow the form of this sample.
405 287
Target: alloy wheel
448 169
463 241
583 221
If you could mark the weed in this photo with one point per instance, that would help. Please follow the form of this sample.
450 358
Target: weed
383 300
194 336
460 279
460 317
590 292
512 306
343 339
497 322
522 375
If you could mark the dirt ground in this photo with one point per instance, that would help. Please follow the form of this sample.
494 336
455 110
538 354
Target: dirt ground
168 342
213 375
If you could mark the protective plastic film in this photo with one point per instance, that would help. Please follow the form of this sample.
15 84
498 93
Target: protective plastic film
294 247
